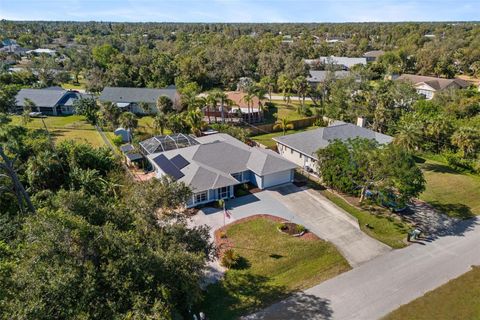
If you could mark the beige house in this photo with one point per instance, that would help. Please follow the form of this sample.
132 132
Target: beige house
428 86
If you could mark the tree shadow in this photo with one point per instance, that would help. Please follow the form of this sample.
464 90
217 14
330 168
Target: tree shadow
299 306
239 293
437 167
455 210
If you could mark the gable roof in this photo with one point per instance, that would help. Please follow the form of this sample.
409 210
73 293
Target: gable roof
343 61
321 75
309 142
137 95
210 164
434 82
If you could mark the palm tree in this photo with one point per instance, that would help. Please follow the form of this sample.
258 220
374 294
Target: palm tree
128 120
164 104
259 93
268 84
409 136
285 84
248 99
212 101
160 122
466 139
302 87
284 124
27 109
194 119
221 96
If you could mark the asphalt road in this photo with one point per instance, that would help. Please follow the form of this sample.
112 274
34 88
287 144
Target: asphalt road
381 285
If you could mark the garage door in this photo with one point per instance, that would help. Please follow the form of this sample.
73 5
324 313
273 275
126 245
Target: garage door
277 178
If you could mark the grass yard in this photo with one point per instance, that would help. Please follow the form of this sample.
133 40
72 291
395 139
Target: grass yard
454 193
277 264
457 299
382 225
266 139
285 111
62 128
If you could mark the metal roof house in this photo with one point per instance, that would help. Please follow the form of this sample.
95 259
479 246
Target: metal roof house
301 148
49 101
130 99
213 165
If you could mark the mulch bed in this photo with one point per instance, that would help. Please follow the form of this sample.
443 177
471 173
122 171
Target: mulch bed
225 243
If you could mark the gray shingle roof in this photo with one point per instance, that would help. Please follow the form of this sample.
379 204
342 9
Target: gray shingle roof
212 162
435 83
309 142
344 61
321 75
137 95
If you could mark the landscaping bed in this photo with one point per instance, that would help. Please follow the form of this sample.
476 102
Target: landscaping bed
272 265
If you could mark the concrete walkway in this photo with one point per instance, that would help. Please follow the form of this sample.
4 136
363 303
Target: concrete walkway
382 285
331 223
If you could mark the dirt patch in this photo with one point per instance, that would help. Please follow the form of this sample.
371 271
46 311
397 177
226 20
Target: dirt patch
223 243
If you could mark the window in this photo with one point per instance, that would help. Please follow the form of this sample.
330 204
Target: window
201 196
223 192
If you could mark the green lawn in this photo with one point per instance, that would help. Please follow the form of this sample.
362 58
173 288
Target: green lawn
61 128
266 139
383 226
276 265
285 111
457 299
454 193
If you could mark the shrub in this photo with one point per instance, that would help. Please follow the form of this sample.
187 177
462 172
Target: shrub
223 234
230 259
281 226
299 228
458 163
117 140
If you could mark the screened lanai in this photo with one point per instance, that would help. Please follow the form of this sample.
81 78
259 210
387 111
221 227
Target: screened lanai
168 142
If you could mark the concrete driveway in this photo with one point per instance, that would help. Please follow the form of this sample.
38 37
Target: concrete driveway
331 223
383 284
306 207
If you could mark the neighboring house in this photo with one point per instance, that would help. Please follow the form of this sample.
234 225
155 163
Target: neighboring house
428 86
345 63
214 165
40 51
239 109
11 47
373 55
301 148
131 99
49 101
319 76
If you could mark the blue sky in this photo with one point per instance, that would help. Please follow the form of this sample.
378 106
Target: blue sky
242 10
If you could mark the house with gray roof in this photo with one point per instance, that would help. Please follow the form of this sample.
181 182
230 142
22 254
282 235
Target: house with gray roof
319 76
300 148
214 165
428 86
49 101
132 99
345 63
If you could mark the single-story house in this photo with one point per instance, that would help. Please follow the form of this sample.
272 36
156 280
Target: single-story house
319 76
214 165
427 86
300 148
373 55
11 47
131 99
238 110
345 63
49 101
